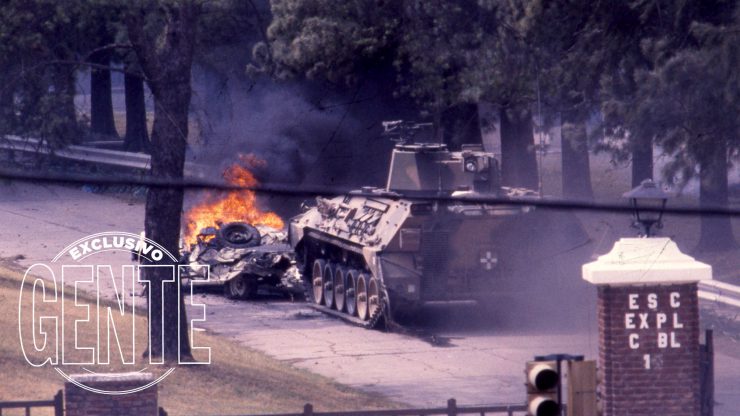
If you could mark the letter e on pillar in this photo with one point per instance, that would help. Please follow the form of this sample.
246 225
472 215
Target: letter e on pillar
633 301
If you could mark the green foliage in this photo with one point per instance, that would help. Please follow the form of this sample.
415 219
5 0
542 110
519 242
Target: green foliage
466 52
444 53
39 44
223 29
676 82
336 40
691 101
570 53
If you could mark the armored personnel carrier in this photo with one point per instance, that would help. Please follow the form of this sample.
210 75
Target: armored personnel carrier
428 236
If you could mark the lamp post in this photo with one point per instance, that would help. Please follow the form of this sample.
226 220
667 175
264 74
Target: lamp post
648 202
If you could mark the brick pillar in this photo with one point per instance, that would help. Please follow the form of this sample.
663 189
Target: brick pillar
648 327
83 402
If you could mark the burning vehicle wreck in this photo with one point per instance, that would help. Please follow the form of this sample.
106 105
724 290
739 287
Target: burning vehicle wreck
243 246
243 259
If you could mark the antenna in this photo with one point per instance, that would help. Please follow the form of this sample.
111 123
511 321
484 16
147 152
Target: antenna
541 133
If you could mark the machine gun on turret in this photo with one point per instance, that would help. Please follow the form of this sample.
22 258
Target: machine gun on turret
403 132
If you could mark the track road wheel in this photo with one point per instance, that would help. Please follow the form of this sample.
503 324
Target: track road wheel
329 285
373 297
340 274
240 287
350 292
317 281
361 295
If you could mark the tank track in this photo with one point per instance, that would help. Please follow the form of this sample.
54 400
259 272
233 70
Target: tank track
382 319
380 316
374 322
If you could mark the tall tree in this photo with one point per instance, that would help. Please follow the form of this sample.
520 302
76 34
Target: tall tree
448 56
436 44
458 125
630 32
569 56
350 43
101 97
136 138
163 35
38 47
641 152
624 28
518 158
468 52
688 103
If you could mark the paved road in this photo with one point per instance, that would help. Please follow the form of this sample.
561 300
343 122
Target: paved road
482 357
478 363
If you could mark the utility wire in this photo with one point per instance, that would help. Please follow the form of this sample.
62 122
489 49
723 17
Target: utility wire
291 190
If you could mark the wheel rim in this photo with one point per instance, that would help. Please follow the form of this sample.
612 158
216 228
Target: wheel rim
361 295
317 281
339 277
373 297
350 297
329 285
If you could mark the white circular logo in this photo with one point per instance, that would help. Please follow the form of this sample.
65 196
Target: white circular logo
78 312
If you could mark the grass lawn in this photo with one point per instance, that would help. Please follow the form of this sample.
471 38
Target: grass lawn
238 381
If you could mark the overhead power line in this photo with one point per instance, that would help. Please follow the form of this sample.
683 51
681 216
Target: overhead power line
291 190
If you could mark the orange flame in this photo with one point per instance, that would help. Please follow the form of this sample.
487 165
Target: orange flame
238 205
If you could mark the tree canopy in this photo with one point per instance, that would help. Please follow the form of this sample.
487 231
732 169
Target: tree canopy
448 56
658 72
445 53
39 44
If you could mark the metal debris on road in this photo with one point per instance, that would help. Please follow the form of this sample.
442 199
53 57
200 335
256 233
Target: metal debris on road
243 258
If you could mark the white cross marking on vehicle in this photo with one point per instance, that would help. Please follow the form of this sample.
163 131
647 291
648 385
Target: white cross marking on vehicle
488 260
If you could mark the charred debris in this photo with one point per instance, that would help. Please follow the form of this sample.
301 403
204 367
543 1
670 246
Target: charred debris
243 259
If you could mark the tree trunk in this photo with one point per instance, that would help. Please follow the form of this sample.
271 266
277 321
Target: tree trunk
101 98
460 125
716 231
137 137
518 156
60 126
642 161
166 59
7 104
163 216
576 169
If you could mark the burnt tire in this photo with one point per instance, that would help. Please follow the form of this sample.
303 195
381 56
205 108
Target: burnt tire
350 292
340 278
329 285
238 235
361 295
317 281
240 288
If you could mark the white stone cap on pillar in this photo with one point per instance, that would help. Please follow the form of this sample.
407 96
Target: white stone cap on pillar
635 261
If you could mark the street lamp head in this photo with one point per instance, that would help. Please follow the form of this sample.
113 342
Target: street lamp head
648 202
